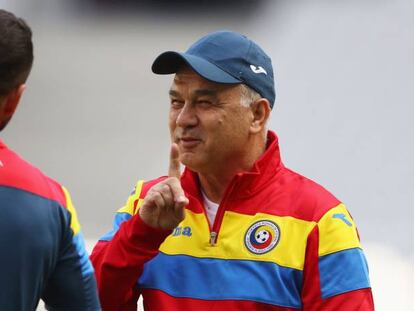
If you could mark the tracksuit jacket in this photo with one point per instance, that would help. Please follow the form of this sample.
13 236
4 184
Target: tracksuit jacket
279 242
42 253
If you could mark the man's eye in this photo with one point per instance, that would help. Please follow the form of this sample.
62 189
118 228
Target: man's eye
175 103
204 103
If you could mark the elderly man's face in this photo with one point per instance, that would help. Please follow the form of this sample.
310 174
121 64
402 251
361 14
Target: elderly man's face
207 122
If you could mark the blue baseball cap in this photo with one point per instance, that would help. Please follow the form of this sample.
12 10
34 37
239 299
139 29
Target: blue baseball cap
224 57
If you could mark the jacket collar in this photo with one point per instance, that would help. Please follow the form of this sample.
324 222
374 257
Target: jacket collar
247 183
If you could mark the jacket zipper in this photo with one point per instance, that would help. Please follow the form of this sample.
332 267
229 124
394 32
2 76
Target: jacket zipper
214 231
213 238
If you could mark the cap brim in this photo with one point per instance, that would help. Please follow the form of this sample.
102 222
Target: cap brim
171 62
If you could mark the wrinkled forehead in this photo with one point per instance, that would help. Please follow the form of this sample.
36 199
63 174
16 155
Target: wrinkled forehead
187 78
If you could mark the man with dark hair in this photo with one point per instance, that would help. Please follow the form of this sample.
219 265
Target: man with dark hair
42 249
237 230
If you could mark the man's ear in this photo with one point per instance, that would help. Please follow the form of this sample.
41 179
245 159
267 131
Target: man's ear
10 101
260 114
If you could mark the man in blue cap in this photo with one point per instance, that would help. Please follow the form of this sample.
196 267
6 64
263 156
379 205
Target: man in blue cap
236 230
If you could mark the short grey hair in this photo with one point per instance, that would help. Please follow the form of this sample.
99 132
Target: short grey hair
248 95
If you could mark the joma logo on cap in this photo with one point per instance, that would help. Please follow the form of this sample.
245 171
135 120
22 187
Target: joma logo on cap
258 69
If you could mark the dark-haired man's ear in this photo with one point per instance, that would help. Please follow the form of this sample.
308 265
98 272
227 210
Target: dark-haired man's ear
9 102
260 112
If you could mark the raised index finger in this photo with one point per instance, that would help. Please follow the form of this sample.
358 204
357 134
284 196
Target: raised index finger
174 167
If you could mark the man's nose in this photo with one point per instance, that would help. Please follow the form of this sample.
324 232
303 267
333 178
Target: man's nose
187 116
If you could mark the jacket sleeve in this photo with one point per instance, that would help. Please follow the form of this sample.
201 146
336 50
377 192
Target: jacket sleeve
71 284
120 255
336 271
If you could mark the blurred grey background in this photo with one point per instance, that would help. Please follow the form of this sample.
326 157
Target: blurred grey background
94 116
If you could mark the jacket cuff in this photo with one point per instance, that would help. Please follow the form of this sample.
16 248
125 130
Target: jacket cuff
145 235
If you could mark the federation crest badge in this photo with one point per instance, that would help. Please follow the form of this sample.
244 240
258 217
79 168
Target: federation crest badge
262 237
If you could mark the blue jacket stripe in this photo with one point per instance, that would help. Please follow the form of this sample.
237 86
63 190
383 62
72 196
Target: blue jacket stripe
350 274
118 220
86 266
243 280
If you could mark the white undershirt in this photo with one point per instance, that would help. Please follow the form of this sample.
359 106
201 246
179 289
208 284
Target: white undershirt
210 207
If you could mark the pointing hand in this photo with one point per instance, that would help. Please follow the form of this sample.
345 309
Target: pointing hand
164 204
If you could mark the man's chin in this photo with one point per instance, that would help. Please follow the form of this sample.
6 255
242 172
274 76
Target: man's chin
189 160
